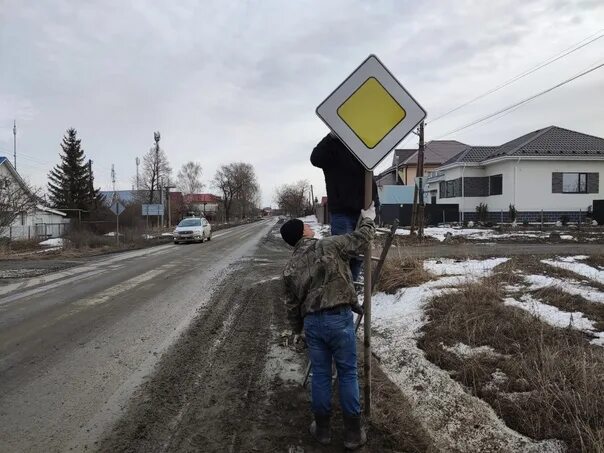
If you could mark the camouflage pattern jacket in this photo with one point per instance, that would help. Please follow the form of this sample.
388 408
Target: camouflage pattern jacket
318 274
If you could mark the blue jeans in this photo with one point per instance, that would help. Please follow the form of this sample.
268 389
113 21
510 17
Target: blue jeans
344 224
330 335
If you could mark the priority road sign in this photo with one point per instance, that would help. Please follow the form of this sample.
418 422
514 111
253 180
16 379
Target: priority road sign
117 208
371 112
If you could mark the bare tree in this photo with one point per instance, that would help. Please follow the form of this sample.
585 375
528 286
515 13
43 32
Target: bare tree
156 169
247 188
238 186
293 198
188 179
225 183
15 198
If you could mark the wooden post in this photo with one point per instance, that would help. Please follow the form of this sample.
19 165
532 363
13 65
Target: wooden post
367 304
414 210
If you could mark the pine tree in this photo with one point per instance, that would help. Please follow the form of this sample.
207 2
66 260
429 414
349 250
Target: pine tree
71 183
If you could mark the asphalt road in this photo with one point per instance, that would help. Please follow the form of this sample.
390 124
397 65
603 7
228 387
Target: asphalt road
74 345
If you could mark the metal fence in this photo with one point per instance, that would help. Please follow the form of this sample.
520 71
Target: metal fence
37 231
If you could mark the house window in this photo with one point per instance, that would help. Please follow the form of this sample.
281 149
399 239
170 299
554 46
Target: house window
574 182
496 185
450 189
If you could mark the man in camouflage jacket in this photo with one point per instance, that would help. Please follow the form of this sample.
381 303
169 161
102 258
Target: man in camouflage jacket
320 300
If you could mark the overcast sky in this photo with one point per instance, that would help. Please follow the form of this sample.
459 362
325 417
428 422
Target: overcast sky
227 81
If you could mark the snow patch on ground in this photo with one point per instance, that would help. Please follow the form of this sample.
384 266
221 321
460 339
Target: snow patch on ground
441 233
498 378
476 268
556 317
572 259
112 234
54 242
571 264
455 420
568 286
465 351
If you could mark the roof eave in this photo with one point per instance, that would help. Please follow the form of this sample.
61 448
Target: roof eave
551 157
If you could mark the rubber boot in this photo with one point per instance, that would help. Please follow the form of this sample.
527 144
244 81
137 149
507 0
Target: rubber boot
320 430
354 433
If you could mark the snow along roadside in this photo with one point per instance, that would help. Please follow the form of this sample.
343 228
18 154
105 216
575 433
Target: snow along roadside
454 419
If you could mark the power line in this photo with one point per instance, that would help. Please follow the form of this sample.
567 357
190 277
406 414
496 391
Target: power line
522 102
564 53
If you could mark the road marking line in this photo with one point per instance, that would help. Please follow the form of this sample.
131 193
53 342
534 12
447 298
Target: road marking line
127 285
31 292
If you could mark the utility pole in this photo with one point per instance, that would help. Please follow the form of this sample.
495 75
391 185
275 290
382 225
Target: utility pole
420 163
417 213
113 180
91 182
161 199
15 144
168 187
115 200
138 161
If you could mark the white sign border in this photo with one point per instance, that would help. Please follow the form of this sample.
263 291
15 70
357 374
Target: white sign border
328 112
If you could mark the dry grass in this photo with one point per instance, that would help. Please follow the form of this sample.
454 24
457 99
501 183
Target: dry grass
560 374
399 272
390 415
596 261
21 246
530 264
80 239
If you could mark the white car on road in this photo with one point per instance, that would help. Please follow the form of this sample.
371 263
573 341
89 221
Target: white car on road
193 229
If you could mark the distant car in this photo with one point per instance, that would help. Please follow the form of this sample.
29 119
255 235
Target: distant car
193 229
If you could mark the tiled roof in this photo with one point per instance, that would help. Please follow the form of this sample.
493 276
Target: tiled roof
435 152
472 154
2 159
551 141
562 142
403 155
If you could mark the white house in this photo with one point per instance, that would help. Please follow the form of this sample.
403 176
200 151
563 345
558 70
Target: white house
552 172
34 220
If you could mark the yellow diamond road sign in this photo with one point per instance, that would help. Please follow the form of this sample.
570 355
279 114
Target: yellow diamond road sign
371 112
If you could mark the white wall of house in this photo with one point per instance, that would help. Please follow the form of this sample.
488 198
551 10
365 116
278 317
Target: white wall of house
527 184
37 224
534 191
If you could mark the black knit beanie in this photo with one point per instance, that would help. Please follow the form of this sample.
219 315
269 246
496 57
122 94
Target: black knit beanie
292 230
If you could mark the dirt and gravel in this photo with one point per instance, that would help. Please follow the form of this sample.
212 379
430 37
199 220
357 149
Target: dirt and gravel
231 383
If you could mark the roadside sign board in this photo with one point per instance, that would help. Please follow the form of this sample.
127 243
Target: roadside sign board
117 208
371 112
153 209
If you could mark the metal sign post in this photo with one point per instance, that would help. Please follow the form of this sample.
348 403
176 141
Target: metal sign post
117 208
370 112
367 303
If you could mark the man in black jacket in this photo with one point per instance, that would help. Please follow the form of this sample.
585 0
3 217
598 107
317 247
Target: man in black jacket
345 182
